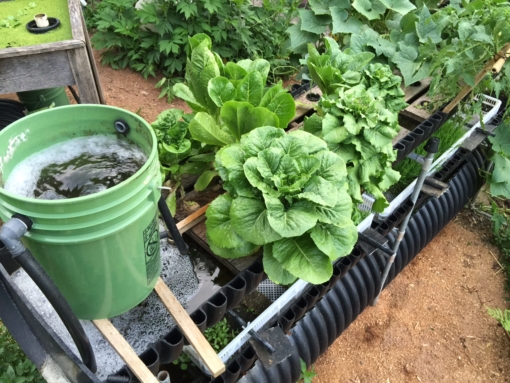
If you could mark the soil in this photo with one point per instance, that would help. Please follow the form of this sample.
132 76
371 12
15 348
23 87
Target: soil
431 323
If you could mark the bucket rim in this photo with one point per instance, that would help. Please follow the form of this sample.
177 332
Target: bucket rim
113 189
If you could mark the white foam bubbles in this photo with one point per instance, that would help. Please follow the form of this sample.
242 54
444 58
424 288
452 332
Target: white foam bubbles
23 178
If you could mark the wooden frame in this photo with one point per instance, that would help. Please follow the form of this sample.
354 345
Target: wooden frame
62 63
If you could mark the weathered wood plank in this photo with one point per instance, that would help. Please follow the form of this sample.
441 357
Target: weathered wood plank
416 111
46 70
304 106
92 62
412 92
76 19
125 351
189 329
41 48
83 76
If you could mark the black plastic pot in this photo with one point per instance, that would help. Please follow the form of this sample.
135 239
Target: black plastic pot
299 308
311 296
170 347
253 276
215 308
151 359
235 291
313 97
287 320
427 127
247 359
419 135
33 28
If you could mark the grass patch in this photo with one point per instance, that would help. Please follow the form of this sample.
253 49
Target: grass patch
448 134
15 367
23 13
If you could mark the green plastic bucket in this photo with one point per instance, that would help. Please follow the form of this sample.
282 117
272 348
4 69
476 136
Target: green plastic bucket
42 98
102 250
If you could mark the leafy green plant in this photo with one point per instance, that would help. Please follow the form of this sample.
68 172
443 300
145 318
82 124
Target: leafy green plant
306 376
451 43
11 21
502 317
154 37
499 179
228 100
219 336
287 193
15 367
357 116
449 133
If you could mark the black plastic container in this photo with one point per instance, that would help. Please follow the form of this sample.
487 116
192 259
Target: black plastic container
215 308
170 347
253 276
235 291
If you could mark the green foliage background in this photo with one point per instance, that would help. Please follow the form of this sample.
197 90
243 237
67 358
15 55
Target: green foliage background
15 367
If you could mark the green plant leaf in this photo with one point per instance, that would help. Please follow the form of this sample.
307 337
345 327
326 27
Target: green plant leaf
427 29
319 191
292 221
219 226
249 219
250 89
411 68
255 178
310 22
274 269
281 103
242 117
260 139
260 65
234 73
340 214
182 91
205 179
401 6
342 23
221 90
243 250
299 38
310 143
334 241
204 129
302 258
371 9
322 7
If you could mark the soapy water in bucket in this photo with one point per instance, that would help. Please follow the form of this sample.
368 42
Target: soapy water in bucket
77 167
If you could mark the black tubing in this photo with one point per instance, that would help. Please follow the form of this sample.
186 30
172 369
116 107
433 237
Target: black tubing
59 303
172 227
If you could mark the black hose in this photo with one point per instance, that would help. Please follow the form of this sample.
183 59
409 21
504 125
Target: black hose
172 227
75 95
59 303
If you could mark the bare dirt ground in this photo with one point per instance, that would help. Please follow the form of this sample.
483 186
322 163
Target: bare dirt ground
430 324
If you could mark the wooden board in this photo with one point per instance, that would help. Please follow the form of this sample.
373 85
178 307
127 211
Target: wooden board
304 106
128 355
412 92
24 73
189 329
415 111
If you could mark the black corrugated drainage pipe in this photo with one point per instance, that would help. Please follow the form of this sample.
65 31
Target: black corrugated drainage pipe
318 329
